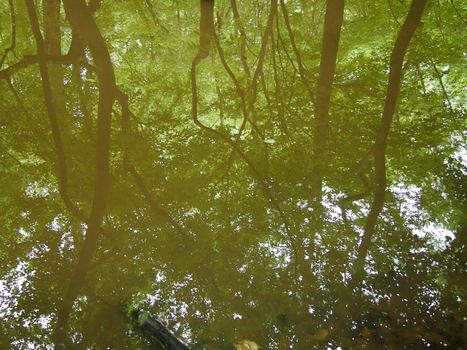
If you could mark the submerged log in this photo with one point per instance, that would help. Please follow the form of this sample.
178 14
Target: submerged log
158 332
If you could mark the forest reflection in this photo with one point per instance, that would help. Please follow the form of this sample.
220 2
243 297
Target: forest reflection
270 174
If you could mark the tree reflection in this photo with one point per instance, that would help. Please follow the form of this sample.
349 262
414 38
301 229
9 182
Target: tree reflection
221 168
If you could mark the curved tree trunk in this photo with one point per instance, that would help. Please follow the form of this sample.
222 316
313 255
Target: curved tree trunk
53 47
379 150
80 17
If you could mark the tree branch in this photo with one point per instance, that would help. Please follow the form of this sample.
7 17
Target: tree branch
12 45
264 186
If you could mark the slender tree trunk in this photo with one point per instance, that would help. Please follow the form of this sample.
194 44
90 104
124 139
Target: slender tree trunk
81 19
332 28
52 36
241 30
379 150
206 27
52 43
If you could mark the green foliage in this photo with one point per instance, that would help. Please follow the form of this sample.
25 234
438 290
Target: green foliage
232 272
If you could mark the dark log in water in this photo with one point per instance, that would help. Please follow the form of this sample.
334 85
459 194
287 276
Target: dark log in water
157 331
